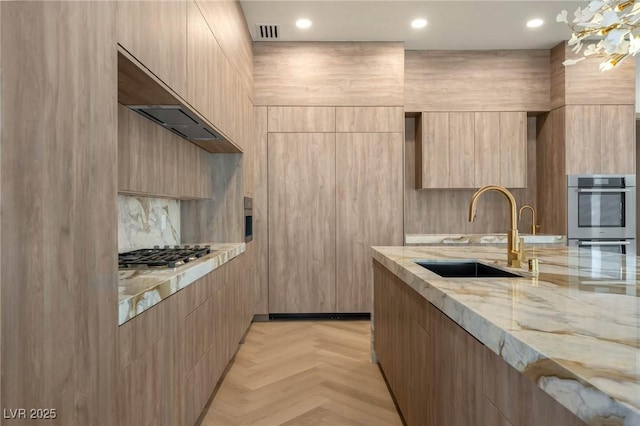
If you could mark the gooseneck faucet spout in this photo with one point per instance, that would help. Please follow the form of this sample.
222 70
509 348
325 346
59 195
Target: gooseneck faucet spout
533 217
514 249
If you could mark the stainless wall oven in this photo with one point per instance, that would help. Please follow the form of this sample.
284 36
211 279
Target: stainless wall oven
248 219
602 212
619 246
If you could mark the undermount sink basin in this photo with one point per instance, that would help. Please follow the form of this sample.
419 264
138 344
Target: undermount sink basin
464 269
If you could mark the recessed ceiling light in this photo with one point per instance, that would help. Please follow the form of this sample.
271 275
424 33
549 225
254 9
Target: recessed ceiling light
303 23
535 23
419 23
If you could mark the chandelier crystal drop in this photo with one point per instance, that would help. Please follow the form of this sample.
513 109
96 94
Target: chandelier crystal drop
609 29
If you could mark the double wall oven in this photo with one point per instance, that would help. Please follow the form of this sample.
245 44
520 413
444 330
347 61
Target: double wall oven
602 212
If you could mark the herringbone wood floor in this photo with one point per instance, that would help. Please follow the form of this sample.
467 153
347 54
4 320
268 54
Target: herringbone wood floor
304 373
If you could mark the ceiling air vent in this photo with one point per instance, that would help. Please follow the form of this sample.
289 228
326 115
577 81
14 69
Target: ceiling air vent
267 32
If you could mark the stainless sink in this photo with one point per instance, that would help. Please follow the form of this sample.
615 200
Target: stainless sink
464 269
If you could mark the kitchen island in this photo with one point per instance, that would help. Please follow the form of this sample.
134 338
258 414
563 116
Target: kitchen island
562 347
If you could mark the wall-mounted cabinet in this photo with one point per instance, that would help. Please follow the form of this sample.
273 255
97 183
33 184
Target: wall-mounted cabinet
154 161
599 138
214 88
155 33
471 149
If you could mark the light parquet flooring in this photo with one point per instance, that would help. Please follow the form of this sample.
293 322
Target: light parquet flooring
301 374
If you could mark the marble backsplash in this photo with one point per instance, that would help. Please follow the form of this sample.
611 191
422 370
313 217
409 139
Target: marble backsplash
145 222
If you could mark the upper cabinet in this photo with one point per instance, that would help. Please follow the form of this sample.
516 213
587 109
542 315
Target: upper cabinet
369 119
329 73
487 80
471 149
176 42
215 89
155 33
599 138
584 83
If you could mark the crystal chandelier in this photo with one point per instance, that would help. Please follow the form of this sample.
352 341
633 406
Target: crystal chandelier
615 24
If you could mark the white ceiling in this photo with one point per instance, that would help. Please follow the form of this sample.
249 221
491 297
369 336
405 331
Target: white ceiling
453 25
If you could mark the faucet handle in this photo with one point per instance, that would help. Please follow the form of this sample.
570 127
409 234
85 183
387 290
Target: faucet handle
521 249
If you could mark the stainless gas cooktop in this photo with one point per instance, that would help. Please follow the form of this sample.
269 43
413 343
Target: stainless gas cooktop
161 257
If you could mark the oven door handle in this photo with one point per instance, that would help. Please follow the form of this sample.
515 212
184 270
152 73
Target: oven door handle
604 190
604 243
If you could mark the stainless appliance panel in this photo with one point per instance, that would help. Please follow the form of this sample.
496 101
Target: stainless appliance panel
622 246
601 207
248 219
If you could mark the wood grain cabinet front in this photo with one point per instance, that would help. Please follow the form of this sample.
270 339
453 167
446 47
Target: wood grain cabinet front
302 222
471 149
172 356
331 197
155 33
599 138
441 375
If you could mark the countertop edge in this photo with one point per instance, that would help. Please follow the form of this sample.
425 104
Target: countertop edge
132 305
514 351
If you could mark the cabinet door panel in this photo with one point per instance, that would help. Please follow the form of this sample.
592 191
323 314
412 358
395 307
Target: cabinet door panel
155 33
461 149
513 149
369 119
302 222
487 155
204 58
583 132
618 140
301 119
432 151
369 194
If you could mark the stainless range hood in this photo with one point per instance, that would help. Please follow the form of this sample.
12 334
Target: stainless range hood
141 91
179 120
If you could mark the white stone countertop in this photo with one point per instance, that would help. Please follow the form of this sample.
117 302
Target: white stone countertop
434 239
574 330
140 289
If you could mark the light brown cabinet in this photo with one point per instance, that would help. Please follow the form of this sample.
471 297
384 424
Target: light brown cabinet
440 374
215 89
58 159
172 356
302 222
599 138
154 161
369 119
282 119
368 204
332 195
469 150
513 149
155 33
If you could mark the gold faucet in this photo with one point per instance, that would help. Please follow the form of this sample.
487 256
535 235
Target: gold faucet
533 217
514 248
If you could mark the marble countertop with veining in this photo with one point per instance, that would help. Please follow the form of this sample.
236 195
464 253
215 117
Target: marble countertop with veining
138 290
574 330
433 239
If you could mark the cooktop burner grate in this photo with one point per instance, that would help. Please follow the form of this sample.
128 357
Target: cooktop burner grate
166 257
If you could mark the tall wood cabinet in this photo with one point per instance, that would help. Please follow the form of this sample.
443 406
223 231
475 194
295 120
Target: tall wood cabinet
58 149
155 32
335 189
599 138
471 149
369 210
302 222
